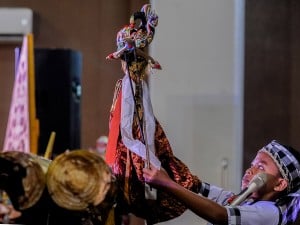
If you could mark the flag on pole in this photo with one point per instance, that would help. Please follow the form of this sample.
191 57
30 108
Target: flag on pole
22 127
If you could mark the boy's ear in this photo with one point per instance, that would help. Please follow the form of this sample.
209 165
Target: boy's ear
281 185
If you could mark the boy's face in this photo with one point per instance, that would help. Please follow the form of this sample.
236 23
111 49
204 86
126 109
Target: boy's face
262 163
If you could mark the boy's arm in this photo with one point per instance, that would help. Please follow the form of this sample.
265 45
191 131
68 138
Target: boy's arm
203 207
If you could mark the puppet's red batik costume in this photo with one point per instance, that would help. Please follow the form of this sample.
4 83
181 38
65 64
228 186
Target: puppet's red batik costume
136 138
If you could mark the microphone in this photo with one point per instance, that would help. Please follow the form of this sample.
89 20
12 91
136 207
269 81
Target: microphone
257 182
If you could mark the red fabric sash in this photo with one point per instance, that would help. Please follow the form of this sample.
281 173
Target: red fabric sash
114 129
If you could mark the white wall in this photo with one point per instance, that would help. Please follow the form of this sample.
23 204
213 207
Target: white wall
198 96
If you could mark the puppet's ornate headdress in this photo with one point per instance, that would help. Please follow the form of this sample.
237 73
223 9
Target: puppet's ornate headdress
133 39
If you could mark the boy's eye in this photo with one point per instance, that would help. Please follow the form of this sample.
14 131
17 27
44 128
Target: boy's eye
261 167
258 166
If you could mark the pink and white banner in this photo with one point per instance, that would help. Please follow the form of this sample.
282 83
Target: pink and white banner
17 136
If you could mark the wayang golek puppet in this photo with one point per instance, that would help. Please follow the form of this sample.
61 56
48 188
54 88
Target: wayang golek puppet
136 138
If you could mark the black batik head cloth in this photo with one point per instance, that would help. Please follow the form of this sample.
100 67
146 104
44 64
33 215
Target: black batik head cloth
286 162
